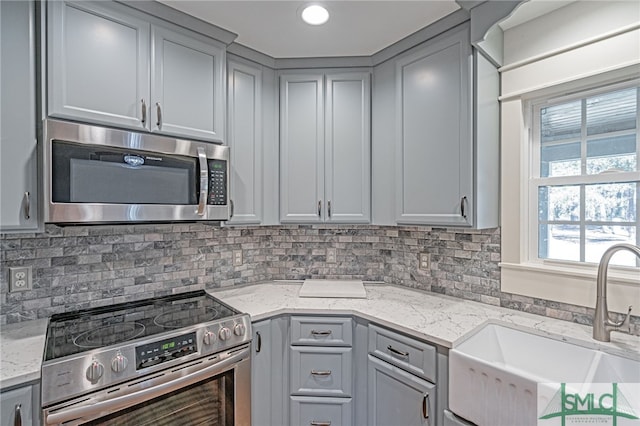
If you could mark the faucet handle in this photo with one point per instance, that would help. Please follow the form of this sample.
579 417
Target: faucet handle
626 321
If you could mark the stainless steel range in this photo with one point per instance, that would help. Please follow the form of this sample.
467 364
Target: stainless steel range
180 359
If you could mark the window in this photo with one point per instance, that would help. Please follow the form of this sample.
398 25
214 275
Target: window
585 178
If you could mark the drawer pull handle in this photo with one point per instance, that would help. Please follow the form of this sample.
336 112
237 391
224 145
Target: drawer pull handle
317 423
321 373
425 406
397 352
321 332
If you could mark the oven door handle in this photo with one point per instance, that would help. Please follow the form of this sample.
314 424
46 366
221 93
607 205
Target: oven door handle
125 401
204 181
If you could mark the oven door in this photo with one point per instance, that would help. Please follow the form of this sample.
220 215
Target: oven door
215 390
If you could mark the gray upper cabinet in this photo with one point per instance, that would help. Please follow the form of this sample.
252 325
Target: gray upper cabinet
108 64
98 64
434 149
244 136
18 141
188 91
325 147
447 120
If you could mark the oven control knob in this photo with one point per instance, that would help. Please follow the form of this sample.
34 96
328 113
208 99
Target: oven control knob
239 329
224 333
209 337
119 363
95 371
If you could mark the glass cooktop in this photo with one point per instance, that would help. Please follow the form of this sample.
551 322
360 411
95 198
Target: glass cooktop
79 331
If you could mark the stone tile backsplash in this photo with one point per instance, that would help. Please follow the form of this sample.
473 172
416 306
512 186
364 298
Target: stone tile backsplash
78 267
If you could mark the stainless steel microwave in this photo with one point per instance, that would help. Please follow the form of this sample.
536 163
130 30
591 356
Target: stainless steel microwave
95 174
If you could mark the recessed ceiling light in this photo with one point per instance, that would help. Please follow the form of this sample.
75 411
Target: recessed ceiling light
315 15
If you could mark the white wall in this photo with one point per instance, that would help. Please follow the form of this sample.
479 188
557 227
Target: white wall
580 45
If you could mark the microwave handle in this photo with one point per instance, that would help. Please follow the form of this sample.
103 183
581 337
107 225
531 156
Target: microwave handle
204 181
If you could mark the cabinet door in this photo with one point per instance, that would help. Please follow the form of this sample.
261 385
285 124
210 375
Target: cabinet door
188 91
16 406
435 146
348 148
98 64
397 397
244 136
301 148
261 374
18 158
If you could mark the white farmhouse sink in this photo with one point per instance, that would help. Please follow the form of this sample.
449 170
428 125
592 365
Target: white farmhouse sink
494 375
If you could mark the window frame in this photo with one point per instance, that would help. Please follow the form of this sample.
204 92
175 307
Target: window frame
533 181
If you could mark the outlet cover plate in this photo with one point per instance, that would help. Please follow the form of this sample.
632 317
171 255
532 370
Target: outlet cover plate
424 261
237 258
331 255
20 278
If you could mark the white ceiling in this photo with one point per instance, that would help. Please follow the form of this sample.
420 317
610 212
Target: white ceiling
355 28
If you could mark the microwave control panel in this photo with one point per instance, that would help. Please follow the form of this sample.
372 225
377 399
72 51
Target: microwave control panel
217 183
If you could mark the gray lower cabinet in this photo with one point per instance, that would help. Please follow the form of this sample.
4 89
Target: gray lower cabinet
397 397
269 373
18 140
320 411
20 406
112 65
325 147
321 370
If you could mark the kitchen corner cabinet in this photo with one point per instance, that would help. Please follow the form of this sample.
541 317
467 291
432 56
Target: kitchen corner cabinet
244 136
269 386
325 147
111 65
18 140
20 406
447 120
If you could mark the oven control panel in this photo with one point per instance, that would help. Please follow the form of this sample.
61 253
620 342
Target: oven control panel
165 350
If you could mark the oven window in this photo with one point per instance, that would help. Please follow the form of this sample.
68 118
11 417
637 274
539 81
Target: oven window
209 403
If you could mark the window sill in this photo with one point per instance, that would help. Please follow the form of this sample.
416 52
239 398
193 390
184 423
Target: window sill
587 272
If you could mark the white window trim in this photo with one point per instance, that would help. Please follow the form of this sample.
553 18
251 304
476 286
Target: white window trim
562 281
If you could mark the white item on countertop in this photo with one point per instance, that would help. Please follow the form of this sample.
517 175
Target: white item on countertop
351 289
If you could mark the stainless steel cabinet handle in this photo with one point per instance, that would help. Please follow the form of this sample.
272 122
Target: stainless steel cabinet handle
204 181
259 343
159 113
144 111
396 351
321 372
27 205
320 208
321 332
317 423
463 200
329 207
17 421
425 406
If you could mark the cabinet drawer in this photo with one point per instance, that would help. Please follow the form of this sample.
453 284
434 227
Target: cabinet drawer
321 331
320 411
411 355
320 371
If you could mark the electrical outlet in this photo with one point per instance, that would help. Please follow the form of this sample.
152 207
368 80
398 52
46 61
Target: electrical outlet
237 258
20 278
331 255
424 261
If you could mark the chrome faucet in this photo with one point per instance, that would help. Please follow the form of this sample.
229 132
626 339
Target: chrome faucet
602 324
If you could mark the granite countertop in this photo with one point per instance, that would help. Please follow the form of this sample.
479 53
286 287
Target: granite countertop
442 320
21 351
